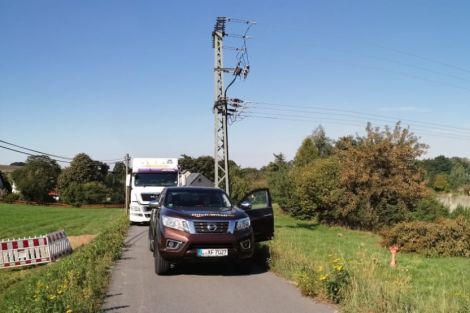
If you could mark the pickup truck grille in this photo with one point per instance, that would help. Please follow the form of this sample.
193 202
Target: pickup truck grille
211 227
150 196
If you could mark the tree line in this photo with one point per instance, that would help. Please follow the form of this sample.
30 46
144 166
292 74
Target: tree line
367 181
85 181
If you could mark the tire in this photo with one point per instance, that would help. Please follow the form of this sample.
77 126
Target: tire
151 245
161 265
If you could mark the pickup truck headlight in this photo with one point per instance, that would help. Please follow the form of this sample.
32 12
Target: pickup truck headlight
175 223
243 223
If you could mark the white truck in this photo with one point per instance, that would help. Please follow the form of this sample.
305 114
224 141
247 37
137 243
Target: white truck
147 179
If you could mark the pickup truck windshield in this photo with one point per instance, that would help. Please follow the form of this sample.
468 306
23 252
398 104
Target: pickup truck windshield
198 199
156 179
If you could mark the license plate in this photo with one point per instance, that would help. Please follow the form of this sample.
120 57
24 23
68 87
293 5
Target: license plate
212 252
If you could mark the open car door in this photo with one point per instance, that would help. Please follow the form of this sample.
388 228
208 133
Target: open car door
257 204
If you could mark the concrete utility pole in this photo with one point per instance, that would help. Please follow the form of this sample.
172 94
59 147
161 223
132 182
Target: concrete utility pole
127 184
220 109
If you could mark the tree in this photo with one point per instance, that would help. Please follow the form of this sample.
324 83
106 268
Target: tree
239 184
115 181
438 165
37 178
441 183
86 193
306 153
280 182
458 176
83 170
380 176
323 144
18 164
202 164
318 191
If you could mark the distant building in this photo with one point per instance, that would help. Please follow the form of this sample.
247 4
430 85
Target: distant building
7 170
196 179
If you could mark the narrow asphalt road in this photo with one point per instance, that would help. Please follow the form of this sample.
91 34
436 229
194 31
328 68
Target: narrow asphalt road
195 288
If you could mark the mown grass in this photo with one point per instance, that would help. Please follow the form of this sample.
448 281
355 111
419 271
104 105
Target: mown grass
28 220
77 283
309 254
19 220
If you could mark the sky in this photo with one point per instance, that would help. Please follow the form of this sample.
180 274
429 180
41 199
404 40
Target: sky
113 77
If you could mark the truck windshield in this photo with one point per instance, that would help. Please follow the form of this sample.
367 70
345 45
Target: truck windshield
207 199
156 179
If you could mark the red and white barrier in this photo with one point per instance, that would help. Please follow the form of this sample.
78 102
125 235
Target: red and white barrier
32 251
59 244
22 252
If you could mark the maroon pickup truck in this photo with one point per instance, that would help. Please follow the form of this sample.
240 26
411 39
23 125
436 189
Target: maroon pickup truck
202 224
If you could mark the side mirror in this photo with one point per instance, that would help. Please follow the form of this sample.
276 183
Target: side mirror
154 205
245 205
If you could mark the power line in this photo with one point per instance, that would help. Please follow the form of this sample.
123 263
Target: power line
55 157
345 112
30 154
422 68
32 150
382 69
462 69
339 121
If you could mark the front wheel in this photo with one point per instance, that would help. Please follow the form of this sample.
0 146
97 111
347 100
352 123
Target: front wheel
151 245
161 265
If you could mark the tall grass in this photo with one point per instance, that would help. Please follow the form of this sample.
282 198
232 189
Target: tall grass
308 254
75 284
18 220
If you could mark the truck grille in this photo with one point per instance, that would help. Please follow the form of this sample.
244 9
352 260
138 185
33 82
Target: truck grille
211 227
150 196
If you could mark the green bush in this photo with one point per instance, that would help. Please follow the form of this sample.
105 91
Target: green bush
75 284
428 209
10 197
446 237
461 211
317 190
86 193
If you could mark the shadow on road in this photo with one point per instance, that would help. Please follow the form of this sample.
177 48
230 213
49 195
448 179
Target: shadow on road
131 240
118 307
257 265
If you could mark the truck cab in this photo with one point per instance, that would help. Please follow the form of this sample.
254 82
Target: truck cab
148 178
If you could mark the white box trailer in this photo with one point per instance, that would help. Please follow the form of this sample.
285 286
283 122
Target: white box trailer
147 179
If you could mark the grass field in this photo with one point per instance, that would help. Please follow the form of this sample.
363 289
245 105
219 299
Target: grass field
17 220
28 220
309 253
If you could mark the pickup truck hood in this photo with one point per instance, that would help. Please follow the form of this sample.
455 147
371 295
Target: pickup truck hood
195 213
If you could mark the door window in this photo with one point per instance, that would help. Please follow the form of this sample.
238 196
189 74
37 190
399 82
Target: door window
257 200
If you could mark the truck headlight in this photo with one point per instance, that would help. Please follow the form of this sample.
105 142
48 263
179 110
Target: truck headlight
135 208
175 223
243 223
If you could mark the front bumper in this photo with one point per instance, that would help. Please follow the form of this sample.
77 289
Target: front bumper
142 215
139 217
239 245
